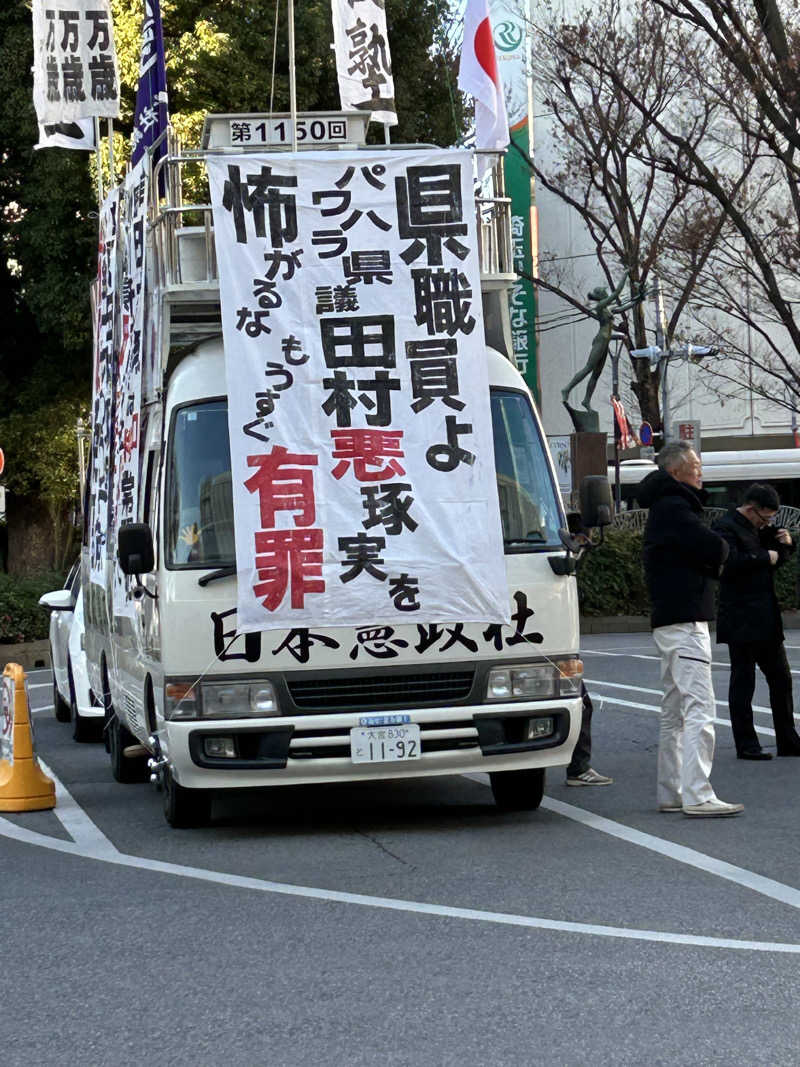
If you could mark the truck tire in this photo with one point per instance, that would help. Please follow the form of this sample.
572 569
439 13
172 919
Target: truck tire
518 790
126 769
185 808
60 706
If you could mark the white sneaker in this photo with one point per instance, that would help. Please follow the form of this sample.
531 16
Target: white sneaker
712 808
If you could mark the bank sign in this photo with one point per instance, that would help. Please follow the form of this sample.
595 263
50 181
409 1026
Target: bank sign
512 47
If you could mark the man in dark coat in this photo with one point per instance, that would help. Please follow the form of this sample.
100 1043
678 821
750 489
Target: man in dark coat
749 620
681 559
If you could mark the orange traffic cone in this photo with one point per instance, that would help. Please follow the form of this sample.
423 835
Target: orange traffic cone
23 784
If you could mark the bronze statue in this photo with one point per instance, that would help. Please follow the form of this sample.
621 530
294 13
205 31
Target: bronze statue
604 312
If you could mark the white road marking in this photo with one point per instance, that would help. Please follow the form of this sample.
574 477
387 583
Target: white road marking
76 822
40 685
95 847
658 692
120 859
637 655
618 702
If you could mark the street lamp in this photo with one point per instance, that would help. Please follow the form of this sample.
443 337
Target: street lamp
657 355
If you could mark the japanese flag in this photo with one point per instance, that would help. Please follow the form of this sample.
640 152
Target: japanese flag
478 75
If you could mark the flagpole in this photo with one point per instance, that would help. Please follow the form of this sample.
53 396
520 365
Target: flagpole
292 80
111 181
98 161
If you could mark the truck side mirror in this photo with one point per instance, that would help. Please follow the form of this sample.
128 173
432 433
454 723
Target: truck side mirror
135 548
597 505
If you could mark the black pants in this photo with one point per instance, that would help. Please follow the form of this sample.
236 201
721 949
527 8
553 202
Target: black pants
582 755
770 657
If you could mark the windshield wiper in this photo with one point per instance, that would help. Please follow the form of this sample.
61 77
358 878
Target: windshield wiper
223 572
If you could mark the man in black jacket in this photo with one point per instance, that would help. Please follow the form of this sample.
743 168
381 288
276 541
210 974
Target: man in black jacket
681 558
749 620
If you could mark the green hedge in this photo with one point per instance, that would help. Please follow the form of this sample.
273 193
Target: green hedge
611 578
21 618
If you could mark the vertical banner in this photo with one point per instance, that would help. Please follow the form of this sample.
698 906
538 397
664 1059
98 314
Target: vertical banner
102 455
150 114
363 62
512 44
128 404
78 134
364 486
75 72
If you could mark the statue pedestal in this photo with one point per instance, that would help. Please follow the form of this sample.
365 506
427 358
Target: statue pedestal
588 457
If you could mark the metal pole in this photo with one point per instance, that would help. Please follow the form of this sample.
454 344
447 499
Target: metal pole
98 160
111 182
292 77
615 391
664 399
386 138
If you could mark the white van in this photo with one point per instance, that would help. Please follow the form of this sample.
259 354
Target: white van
219 710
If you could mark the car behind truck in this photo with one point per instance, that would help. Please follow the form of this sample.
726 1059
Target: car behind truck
201 703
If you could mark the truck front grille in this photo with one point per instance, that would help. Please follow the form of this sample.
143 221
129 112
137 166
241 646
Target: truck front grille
362 692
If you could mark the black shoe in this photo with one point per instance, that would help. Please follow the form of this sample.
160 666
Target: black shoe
789 752
757 753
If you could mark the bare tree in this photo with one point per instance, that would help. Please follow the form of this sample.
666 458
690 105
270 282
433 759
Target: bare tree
741 67
608 159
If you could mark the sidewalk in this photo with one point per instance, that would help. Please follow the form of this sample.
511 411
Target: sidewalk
633 624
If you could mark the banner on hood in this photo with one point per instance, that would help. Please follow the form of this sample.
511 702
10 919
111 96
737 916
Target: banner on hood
364 486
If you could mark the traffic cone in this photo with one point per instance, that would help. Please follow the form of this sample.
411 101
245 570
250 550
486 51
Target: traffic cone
23 784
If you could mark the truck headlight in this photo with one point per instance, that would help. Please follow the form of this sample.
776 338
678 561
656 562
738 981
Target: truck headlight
529 681
535 681
237 700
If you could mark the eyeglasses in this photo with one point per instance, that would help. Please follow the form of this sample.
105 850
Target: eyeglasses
769 518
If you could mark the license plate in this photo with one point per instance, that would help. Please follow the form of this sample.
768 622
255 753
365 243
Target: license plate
384 744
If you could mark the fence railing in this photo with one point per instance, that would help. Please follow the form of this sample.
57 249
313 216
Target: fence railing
635 519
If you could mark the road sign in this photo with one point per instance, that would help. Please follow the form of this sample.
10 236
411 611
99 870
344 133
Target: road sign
646 433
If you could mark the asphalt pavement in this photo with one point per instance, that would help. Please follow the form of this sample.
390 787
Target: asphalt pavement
411 923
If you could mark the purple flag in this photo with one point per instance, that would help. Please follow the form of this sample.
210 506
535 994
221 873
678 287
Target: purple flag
150 116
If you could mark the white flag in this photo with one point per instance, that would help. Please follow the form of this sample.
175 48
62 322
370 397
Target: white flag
363 63
75 72
78 134
479 76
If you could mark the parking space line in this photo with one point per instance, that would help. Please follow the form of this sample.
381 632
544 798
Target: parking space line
21 834
618 702
658 692
638 655
83 831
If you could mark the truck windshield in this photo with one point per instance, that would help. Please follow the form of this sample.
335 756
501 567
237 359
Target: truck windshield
529 505
199 495
200 500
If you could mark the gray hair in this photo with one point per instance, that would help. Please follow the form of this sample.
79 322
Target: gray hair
674 455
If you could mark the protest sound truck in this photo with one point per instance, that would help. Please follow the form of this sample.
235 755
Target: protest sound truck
324 538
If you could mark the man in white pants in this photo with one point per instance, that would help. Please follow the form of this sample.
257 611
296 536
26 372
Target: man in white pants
681 559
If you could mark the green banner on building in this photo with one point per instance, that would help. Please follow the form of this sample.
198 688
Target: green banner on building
509 26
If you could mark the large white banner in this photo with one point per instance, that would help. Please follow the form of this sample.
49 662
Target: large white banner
363 62
363 471
101 459
128 406
75 72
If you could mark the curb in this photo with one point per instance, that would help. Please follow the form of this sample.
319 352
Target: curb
28 654
634 624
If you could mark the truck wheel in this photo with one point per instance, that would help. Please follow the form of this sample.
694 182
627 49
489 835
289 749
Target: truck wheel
518 790
184 808
60 706
126 769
